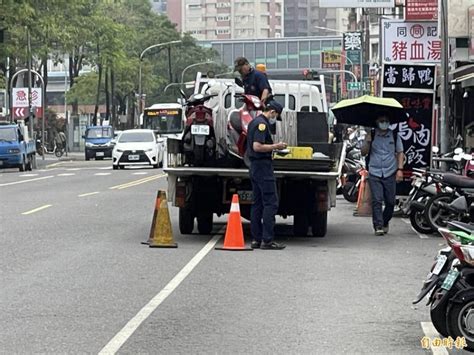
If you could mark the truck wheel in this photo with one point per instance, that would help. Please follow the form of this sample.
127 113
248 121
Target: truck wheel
319 224
22 166
300 225
186 221
205 224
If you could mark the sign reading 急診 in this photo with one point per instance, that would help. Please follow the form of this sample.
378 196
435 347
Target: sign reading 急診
20 97
404 41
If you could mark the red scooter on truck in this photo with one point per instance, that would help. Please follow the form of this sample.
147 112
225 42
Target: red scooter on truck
199 139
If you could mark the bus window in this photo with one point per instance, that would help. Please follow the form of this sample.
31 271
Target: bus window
164 121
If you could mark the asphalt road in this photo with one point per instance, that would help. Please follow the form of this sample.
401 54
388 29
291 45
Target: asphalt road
73 274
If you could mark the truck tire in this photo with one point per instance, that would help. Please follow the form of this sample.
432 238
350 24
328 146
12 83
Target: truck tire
22 166
186 220
300 225
319 224
205 224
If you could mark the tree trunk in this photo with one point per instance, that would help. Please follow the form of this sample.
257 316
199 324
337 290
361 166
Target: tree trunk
107 94
97 100
112 94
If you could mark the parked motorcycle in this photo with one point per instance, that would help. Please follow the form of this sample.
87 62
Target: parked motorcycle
42 149
199 139
237 124
351 177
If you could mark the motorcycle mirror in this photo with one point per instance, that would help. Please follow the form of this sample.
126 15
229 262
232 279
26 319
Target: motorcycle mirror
457 158
239 82
435 149
458 151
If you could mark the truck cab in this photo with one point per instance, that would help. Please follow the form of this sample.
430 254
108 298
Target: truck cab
17 150
98 142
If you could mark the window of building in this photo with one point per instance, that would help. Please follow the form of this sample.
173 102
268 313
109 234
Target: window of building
223 18
194 6
222 31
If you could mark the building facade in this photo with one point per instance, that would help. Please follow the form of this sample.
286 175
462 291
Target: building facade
225 19
306 18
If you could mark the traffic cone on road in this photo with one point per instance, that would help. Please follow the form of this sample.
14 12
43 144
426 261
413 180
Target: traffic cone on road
364 199
153 221
234 234
163 232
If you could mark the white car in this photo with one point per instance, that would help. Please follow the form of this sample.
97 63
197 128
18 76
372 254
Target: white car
138 147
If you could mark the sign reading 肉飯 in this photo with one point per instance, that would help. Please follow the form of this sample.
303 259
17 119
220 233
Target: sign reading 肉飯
410 42
409 76
357 3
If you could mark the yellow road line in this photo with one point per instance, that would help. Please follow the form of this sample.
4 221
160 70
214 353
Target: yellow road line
137 182
24 181
36 210
54 164
89 194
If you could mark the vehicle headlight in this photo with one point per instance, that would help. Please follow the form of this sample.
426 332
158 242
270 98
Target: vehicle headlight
14 151
89 145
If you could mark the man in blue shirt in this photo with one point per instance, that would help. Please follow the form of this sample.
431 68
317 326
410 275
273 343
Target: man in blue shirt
255 82
265 200
385 170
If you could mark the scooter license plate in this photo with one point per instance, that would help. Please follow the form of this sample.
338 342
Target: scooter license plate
439 264
200 129
450 279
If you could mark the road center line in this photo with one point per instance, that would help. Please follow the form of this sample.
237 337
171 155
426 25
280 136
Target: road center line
89 194
137 182
431 333
36 209
23 181
127 331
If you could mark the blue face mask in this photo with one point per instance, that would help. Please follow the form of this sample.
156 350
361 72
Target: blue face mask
383 125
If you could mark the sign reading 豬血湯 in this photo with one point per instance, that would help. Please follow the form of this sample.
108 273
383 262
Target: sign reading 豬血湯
416 42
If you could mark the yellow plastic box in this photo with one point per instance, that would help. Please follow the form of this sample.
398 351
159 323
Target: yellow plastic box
295 153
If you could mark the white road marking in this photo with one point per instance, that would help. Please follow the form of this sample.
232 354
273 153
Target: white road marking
140 173
28 175
66 174
127 331
102 174
24 181
36 210
431 333
89 194
405 220
106 168
73 169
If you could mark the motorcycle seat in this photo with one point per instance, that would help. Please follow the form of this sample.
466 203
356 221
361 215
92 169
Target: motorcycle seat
458 181
468 228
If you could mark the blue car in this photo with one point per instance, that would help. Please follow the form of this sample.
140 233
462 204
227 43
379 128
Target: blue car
98 142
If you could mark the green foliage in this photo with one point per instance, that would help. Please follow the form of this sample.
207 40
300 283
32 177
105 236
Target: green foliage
108 35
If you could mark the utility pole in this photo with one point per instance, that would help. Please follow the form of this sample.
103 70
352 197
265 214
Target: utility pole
444 112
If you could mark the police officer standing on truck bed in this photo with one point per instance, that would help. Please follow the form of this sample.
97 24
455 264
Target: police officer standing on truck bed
265 200
255 82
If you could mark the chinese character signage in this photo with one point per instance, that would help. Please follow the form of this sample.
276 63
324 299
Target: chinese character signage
331 60
352 46
20 97
410 42
357 3
425 10
409 76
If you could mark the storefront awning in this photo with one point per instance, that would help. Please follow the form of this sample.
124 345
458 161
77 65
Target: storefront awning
465 80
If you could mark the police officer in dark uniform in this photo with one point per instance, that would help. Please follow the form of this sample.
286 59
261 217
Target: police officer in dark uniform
255 82
265 200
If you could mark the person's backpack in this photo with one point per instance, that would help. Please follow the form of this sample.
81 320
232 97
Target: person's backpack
372 135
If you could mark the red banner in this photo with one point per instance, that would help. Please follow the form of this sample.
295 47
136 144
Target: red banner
421 10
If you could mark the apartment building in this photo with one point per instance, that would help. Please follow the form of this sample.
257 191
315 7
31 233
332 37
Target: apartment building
225 19
306 18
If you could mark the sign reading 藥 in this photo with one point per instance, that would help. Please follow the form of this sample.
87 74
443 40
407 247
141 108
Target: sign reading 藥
413 86
410 42
352 46
357 3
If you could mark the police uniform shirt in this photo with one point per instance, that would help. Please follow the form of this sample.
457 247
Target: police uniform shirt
258 131
255 82
383 162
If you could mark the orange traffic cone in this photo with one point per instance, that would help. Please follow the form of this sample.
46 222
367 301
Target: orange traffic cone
364 199
153 221
163 233
234 235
